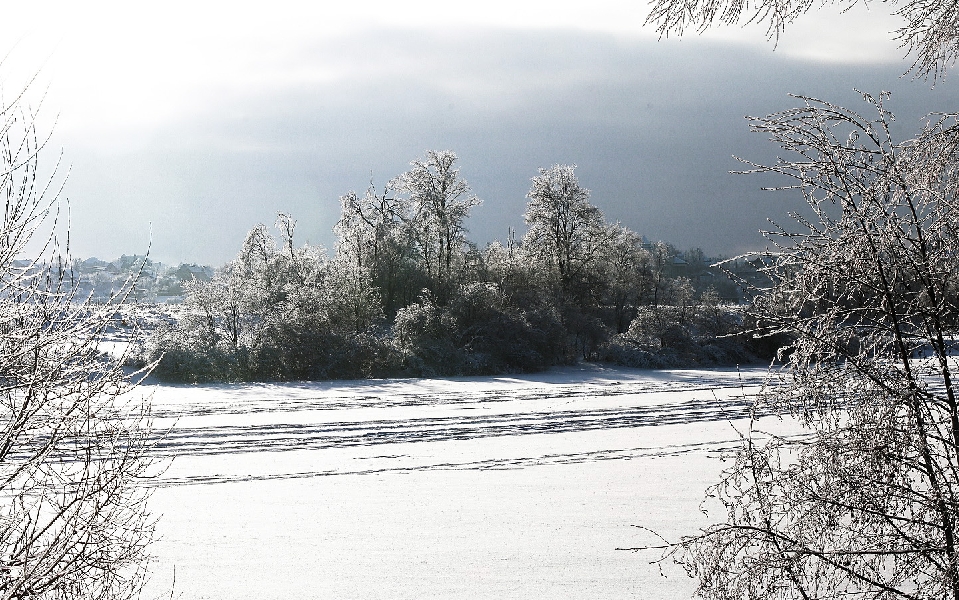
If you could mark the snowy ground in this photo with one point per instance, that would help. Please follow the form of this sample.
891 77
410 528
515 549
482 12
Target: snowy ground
497 487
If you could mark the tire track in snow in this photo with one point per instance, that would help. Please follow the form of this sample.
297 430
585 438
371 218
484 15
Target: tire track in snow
233 439
359 395
718 448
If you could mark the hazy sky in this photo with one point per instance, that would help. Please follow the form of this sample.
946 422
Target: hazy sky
199 120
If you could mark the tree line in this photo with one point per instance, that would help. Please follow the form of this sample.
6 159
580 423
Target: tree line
407 293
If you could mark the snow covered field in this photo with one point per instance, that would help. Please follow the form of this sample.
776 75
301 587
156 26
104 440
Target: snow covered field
494 487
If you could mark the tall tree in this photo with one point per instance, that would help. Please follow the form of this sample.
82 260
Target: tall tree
439 201
626 274
373 237
566 232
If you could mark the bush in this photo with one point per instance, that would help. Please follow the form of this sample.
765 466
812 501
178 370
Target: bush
675 336
499 338
477 334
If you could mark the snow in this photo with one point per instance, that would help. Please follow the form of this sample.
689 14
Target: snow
495 487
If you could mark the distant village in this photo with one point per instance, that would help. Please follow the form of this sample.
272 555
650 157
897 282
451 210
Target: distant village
155 282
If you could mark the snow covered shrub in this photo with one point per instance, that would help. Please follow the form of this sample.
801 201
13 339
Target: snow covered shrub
500 338
706 333
586 332
263 316
476 334
620 350
186 356
424 333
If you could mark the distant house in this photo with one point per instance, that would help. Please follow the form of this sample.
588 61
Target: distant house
189 272
128 262
92 264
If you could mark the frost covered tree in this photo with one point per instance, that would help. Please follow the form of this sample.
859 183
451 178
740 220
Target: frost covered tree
375 240
865 504
566 233
930 29
366 224
352 301
74 438
402 265
246 297
626 274
242 324
438 202
866 284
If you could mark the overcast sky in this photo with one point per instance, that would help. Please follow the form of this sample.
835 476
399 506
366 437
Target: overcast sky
199 120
